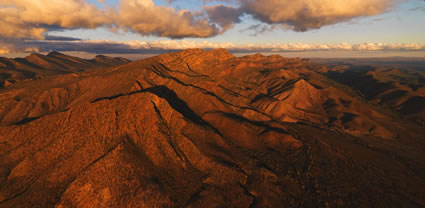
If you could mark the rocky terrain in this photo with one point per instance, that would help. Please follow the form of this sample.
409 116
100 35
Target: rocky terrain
38 66
399 89
206 129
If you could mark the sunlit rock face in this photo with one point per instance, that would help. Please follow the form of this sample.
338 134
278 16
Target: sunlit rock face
204 129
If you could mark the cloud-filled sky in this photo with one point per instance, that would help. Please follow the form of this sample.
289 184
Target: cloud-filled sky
156 26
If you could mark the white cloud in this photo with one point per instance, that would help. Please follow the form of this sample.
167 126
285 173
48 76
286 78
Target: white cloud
136 47
303 15
32 18
298 15
23 22
144 17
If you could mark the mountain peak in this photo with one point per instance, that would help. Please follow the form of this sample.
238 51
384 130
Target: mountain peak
55 53
102 59
36 55
191 52
100 56
222 53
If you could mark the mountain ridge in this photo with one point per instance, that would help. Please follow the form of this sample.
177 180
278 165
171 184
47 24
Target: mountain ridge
36 66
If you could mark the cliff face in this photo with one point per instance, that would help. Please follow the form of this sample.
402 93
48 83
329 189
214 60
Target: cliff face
204 129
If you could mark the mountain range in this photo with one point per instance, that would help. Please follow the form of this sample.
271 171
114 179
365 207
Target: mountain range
200 128
37 66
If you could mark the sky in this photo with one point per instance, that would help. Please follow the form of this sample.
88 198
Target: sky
135 28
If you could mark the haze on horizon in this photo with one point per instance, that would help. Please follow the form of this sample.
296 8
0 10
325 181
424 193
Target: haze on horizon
136 28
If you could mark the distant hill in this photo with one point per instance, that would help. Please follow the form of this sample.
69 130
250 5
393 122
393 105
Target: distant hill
38 66
397 62
401 89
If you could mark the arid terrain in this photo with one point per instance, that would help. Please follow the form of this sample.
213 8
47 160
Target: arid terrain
37 66
207 129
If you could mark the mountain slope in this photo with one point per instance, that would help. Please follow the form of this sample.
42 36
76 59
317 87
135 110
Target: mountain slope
204 129
399 89
38 66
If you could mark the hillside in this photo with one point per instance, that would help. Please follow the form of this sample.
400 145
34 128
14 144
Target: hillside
399 89
38 66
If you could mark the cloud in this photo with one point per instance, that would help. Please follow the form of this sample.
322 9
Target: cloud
146 18
304 15
53 37
30 19
300 15
259 29
163 46
225 16
14 46
25 24
418 8
297 15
